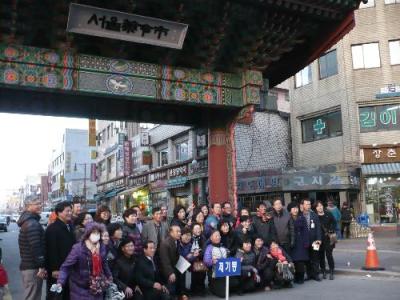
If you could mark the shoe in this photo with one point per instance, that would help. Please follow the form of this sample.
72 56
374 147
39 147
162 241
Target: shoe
317 278
324 274
331 276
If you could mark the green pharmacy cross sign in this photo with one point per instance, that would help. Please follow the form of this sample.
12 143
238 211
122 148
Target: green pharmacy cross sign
319 126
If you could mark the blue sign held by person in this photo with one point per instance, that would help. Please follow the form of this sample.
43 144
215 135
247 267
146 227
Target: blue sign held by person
228 267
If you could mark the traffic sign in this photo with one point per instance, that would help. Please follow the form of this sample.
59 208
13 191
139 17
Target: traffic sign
228 267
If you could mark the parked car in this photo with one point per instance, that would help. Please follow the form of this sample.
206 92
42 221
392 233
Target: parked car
3 223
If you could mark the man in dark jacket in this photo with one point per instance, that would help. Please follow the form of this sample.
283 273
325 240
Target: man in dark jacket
227 214
32 249
59 241
346 220
264 226
283 225
148 276
169 256
314 230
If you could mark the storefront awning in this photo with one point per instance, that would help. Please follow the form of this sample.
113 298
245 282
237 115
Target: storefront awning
178 182
113 192
132 190
98 196
381 169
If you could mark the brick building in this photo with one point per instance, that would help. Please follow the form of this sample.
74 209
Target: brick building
344 113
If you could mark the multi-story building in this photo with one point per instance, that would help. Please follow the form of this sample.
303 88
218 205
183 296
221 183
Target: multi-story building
113 158
71 167
173 169
344 117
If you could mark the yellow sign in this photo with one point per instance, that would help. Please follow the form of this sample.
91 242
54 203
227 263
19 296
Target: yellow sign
92 133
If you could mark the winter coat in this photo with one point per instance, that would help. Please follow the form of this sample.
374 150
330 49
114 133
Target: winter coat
284 228
77 268
149 232
335 212
169 256
124 272
185 250
302 240
243 236
145 273
59 242
248 262
216 252
328 225
346 215
262 260
31 241
131 232
230 241
266 230
210 225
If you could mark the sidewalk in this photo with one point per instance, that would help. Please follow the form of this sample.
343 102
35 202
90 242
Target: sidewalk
349 254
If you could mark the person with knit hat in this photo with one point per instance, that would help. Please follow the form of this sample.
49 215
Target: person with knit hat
299 253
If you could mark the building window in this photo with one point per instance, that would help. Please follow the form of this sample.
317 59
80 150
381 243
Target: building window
392 1
182 151
394 48
370 3
163 157
303 77
366 56
322 127
328 65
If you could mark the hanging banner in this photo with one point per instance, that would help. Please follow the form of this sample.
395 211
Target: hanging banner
127 158
92 133
93 172
113 24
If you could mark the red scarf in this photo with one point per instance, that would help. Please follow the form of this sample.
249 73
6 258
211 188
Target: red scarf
96 262
278 254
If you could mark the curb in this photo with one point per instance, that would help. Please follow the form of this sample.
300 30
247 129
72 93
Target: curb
381 274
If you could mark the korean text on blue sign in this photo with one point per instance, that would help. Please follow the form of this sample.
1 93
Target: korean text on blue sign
228 267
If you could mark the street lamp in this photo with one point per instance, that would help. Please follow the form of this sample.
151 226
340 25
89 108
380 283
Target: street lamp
84 179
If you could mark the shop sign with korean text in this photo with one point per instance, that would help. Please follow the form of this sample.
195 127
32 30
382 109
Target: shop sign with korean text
127 158
89 20
380 154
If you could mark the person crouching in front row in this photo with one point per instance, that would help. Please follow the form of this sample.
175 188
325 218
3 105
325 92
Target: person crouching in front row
284 273
265 264
249 275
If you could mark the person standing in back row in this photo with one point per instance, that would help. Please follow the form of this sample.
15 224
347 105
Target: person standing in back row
32 249
283 225
59 238
315 238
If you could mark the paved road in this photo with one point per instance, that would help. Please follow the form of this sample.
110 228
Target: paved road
344 287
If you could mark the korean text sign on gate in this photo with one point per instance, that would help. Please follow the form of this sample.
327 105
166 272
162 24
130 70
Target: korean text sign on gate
228 267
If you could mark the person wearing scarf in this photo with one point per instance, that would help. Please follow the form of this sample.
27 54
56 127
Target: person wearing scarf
86 266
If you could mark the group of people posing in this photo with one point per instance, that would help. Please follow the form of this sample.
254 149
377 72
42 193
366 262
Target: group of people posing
82 257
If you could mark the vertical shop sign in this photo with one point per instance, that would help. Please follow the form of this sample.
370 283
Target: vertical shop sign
93 172
92 133
127 158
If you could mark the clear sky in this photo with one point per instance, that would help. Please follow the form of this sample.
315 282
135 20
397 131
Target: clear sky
26 145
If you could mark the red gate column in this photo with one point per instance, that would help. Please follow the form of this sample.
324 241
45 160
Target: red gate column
218 166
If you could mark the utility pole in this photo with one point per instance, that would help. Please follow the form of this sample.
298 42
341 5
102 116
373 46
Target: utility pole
84 184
